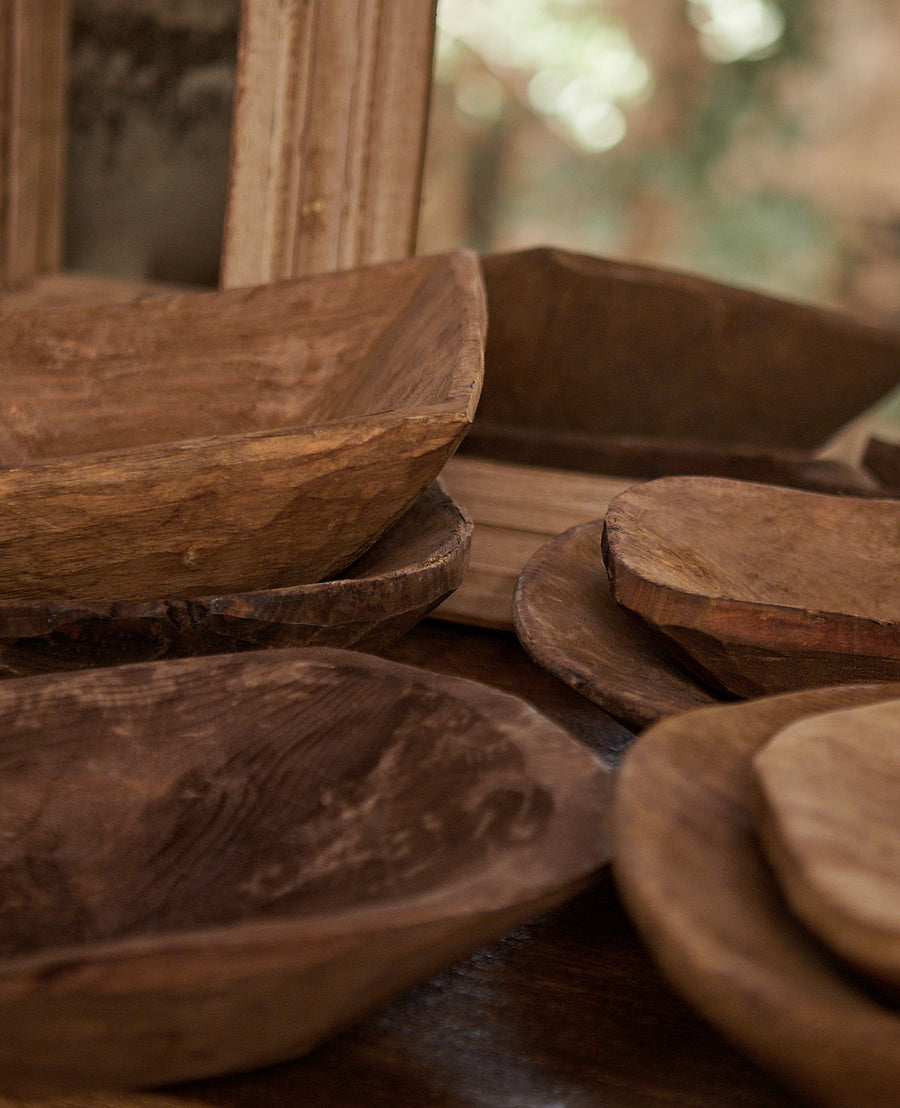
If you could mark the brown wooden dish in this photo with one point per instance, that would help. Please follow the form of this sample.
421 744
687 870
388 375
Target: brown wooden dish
569 623
211 864
608 367
760 588
829 822
419 561
231 441
693 877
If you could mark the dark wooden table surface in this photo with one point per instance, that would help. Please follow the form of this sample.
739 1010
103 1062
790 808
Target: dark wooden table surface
568 1011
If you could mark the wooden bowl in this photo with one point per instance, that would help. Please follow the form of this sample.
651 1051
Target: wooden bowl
230 441
418 562
760 588
608 367
693 877
212 864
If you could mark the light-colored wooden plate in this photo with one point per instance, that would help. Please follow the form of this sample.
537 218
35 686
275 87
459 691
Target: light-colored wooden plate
696 883
828 816
229 441
761 588
569 623
420 560
211 864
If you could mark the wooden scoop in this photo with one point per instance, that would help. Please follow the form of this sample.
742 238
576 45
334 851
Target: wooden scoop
213 864
829 819
760 588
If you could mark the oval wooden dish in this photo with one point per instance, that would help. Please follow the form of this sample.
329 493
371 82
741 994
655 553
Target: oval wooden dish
568 622
229 441
608 367
212 864
694 878
418 562
760 588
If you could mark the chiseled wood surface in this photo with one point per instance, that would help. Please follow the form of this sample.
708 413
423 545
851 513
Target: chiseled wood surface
33 47
695 880
411 568
212 864
568 622
566 1008
829 821
762 588
230 441
331 111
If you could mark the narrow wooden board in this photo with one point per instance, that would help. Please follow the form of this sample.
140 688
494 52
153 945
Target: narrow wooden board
761 588
515 509
569 623
294 835
695 881
328 146
33 49
829 821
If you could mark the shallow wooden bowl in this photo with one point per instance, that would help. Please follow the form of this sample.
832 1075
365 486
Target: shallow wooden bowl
760 588
694 879
211 864
229 441
419 561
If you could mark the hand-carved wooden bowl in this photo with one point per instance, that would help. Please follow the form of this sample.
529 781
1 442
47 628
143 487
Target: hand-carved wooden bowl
695 881
759 588
608 367
229 441
212 864
419 561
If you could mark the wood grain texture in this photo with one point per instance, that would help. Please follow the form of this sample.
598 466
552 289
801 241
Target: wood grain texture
760 588
585 345
296 834
229 441
331 111
413 566
569 623
827 815
694 879
515 509
33 48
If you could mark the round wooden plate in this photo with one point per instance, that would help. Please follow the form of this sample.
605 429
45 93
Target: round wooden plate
567 620
212 864
409 571
695 881
829 822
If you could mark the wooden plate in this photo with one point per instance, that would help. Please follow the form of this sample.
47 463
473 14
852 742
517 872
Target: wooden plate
411 569
229 441
695 881
569 623
761 588
212 864
829 822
